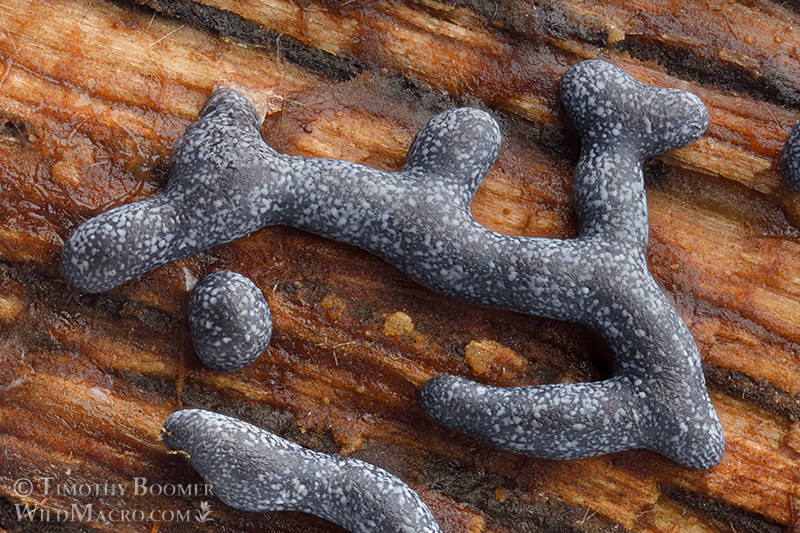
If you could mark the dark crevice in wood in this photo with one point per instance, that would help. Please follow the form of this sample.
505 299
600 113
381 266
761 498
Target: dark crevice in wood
755 391
282 423
791 5
531 22
12 128
685 64
148 384
339 69
231 25
739 520
549 517
476 487
57 295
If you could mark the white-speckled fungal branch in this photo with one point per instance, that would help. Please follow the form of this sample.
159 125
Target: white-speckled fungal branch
251 469
229 321
790 160
225 182
657 397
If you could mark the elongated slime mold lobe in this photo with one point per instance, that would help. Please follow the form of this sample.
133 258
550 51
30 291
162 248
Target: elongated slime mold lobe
790 160
254 470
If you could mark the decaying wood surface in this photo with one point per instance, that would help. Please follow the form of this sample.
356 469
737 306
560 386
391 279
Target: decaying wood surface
93 94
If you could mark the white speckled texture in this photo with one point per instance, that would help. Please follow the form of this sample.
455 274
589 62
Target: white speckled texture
229 321
790 160
225 182
657 397
253 470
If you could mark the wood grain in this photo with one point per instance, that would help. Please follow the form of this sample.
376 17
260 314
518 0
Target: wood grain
93 95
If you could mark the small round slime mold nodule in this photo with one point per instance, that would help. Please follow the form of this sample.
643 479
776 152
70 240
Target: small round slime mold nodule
229 321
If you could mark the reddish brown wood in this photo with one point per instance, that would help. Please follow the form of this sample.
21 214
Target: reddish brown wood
94 94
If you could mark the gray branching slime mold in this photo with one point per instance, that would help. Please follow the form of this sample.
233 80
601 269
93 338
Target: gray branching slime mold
226 182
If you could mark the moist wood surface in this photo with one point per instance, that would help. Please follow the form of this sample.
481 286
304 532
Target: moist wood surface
93 95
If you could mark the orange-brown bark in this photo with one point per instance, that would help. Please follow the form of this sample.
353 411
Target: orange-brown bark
93 95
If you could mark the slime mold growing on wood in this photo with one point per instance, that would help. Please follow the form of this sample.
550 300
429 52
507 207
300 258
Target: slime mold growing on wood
657 397
790 160
229 321
226 182
253 470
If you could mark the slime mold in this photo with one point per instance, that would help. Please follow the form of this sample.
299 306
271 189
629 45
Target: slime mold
657 396
253 470
229 321
225 182
790 160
